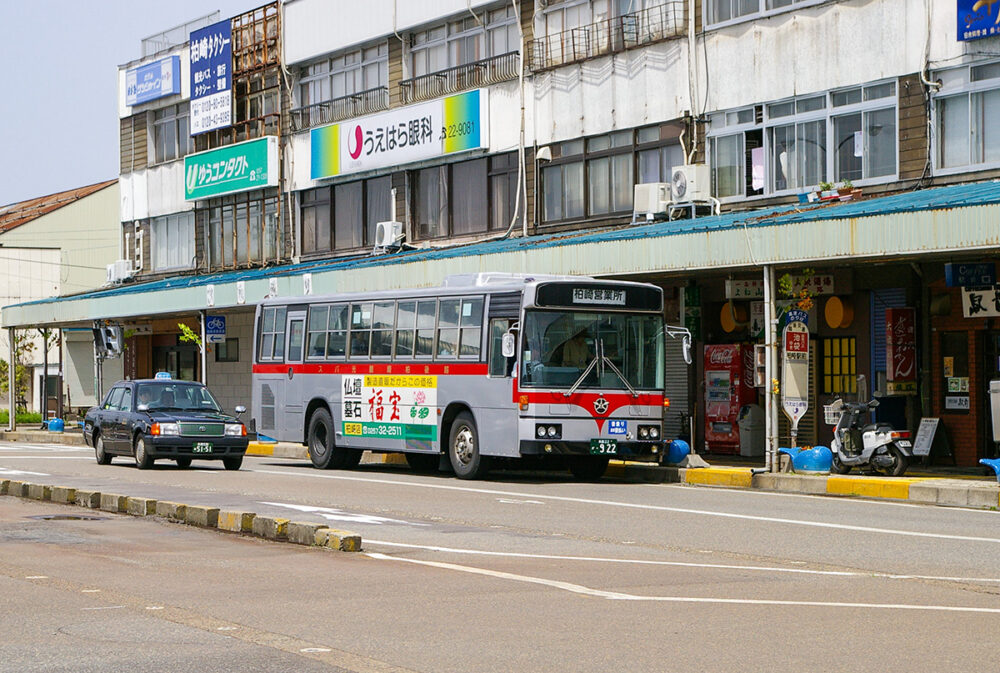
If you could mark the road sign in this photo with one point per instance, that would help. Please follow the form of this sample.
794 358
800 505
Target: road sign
795 373
215 329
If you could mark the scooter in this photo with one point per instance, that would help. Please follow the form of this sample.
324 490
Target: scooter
873 446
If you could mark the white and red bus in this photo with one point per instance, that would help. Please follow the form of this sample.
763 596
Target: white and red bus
488 366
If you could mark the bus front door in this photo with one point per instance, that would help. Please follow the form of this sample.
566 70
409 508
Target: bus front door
291 413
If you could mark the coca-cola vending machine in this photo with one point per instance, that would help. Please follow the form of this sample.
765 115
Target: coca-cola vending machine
728 386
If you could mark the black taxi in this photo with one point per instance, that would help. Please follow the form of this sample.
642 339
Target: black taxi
158 418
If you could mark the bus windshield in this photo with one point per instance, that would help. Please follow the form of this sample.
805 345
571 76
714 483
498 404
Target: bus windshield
559 346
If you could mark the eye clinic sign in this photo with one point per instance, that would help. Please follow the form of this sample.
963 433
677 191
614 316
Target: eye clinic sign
412 133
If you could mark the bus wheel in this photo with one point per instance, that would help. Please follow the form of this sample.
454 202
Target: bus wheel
463 449
323 452
588 468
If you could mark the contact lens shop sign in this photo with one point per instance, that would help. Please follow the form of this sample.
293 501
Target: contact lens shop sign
234 168
412 133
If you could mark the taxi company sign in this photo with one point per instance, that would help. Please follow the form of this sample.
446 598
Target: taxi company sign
413 133
236 168
211 77
153 80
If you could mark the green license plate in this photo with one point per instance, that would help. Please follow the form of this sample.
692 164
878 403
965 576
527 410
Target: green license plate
603 447
202 447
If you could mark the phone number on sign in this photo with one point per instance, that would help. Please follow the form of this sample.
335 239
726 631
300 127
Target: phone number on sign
365 430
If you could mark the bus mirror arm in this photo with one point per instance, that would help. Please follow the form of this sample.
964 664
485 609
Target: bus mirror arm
674 331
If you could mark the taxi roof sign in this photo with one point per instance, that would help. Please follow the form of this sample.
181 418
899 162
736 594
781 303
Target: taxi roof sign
163 375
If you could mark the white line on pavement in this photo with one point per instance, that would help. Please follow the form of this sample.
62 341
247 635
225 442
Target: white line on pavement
4 470
49 457
614 595
629 505
681 564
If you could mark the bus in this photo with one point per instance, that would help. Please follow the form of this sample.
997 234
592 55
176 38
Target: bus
488 366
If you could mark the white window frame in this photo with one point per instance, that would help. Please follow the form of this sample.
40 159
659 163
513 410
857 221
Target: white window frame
171 116
765 9
482 28
828 112
357 67
958 82
184 222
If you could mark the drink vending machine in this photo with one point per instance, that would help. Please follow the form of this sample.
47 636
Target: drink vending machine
728 387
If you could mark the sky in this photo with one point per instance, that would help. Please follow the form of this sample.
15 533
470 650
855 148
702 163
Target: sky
59 84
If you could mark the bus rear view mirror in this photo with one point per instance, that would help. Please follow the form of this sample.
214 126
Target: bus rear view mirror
686 346
507 345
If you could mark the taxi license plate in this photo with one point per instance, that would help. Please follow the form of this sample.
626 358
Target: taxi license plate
202 447
603 447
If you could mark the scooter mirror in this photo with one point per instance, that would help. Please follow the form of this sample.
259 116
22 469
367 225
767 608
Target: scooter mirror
873 404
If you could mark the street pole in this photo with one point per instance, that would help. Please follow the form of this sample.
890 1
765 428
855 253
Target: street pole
11 383
770 373
45 374
59 398
204 353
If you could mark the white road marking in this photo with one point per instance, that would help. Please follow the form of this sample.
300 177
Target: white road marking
90 591
4 470
682 564
50 457
658 508
331 514
110 607
617 596
226 628
315 649
43 447
511 501
154 607
37 577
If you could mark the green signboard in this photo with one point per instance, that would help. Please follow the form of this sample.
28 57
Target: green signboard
237 168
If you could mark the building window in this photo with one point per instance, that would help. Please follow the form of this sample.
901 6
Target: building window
344 216
171 133
345 74
595 177
840 365
721 11
965 110
241 229
272 334
172 242
464 41
793 145
228 350
466 198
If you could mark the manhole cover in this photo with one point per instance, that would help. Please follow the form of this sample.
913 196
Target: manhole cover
68 517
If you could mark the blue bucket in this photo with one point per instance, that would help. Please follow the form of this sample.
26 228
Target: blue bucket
56 425
677 450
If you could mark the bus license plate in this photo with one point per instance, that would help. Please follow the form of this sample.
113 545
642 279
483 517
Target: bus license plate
202 447
603 447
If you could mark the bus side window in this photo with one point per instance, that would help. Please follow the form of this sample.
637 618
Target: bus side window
499 365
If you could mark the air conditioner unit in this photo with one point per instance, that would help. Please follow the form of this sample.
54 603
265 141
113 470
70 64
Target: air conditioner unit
690 182
650 199
388 235
119 270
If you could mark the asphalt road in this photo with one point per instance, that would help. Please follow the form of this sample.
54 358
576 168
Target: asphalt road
523 572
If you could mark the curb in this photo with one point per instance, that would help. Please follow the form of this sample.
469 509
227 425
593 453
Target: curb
228 521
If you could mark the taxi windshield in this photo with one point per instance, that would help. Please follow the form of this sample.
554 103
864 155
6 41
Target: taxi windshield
176 397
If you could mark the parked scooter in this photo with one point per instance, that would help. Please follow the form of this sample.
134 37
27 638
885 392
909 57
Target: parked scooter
873 446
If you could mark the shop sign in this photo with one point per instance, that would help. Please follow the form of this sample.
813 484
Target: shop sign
901 351
795 372
153 80
970 275
977 19
821 283
390 407
981 302
412 133
954 403
211 78
235 168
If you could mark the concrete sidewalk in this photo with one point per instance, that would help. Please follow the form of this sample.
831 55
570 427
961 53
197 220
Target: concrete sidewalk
925 485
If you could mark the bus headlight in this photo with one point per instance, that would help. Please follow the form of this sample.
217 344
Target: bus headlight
540 431
649 432
654 432
552 431
543 431
643 432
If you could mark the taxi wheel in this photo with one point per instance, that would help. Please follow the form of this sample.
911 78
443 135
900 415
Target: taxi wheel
103 458
143 460
233 462
183 462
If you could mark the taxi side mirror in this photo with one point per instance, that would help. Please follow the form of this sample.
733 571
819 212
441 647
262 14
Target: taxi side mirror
240 409
142 407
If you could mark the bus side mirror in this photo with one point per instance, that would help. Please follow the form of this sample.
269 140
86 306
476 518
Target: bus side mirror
507 345
686 347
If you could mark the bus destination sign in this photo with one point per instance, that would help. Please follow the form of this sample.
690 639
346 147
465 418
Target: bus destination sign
606 296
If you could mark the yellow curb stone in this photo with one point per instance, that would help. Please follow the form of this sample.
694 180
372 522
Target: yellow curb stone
237 522
720 476
140 506
871 487
171 510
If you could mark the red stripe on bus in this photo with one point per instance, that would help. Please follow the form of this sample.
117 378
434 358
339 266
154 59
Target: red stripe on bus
437 368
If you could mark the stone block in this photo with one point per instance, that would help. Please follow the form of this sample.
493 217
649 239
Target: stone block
141 506
271 528
237 522
197 515
17 488
171 510
64 495
39 492
91 499
303 533
112 502
343 540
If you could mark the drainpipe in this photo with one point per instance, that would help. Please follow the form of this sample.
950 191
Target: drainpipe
11 383
204 351
59 399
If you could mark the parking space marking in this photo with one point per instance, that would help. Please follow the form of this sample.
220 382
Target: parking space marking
618 596
630 505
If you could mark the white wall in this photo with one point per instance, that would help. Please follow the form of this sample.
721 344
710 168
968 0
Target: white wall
154 191
185 56
316 27
230 382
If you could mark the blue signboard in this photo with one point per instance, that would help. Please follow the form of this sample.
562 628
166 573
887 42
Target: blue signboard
211 77
617 427
215 329
978 19
153 80
797 315
970 275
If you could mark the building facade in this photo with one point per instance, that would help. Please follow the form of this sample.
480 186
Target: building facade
483 126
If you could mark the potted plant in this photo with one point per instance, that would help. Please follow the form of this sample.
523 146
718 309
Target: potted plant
826 191
846 187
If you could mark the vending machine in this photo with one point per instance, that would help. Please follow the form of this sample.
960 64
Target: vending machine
728 387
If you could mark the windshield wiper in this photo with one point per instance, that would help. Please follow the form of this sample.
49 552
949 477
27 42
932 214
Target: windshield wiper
611 364
590 368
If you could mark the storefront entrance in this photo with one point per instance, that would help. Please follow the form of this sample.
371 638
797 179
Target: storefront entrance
180 360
